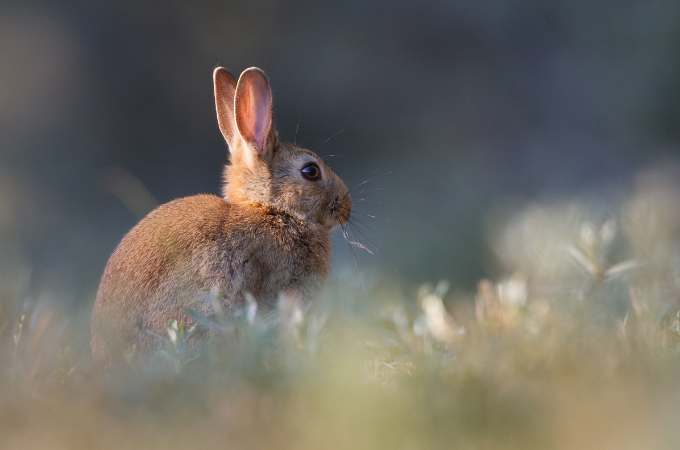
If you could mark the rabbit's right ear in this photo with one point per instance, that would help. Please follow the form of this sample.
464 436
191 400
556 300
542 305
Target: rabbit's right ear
225 90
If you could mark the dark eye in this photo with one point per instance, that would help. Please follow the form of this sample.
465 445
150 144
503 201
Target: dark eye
311 172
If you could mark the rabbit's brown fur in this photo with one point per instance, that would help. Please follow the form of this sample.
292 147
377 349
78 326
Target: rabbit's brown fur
268 235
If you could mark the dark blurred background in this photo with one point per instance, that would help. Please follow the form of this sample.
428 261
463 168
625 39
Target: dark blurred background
436 113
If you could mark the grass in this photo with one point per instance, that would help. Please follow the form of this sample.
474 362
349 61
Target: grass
574 346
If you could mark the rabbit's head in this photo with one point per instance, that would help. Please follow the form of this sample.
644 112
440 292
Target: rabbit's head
262 169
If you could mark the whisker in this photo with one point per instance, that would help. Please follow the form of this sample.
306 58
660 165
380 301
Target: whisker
297 130
362 231
361 246
361 234
371 189
364 201
371 178
355 218
360 228
368 247
345 234
334 135
355 243
357 212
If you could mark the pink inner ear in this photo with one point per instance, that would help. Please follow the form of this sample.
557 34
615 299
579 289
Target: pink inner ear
254 108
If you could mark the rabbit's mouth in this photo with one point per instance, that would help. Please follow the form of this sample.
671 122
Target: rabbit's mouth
341 209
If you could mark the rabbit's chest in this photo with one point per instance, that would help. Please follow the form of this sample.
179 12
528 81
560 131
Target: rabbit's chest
282 259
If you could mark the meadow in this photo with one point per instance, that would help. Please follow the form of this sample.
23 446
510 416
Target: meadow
574 344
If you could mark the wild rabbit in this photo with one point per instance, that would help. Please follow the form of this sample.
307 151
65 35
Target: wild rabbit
268 234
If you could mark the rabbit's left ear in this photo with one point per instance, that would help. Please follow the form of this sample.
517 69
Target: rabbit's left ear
253 108
225 90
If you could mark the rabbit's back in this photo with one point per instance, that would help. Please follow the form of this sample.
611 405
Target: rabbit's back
192 248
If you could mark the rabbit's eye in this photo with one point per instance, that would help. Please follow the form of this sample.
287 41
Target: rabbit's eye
311 172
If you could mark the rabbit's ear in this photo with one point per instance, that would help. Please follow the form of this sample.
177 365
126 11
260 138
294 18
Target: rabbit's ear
225 89
253 108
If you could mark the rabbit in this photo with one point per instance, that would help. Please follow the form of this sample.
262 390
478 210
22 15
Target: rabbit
267 235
